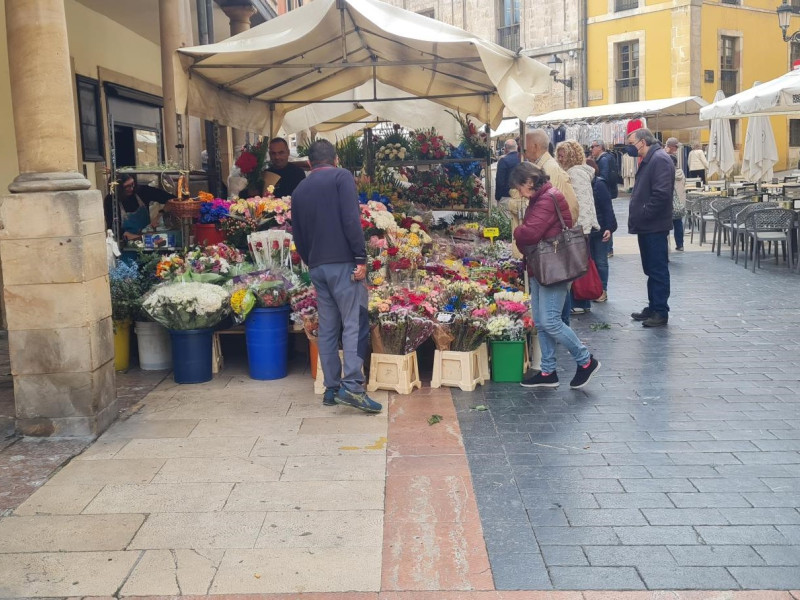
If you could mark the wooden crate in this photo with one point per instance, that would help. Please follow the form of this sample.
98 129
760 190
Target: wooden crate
457 369
396 372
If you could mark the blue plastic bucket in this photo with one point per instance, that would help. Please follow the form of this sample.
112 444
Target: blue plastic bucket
191 355
267 333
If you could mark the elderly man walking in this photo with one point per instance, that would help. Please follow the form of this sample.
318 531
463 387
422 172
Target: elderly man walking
504 167
536 144
650 218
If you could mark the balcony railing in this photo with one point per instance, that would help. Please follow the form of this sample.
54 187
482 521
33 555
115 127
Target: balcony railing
628 90
728 82
508 37
620 5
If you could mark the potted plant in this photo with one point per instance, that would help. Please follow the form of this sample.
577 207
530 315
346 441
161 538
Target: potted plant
189 311
125 302
262 302
155 349
207 230
506 333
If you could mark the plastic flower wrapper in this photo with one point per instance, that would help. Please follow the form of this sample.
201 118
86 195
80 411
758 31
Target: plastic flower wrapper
506 328
303 299
270 293
400 332
183 306
242 302
469 332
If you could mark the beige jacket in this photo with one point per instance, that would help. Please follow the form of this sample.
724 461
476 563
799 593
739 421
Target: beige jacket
560 180
697 161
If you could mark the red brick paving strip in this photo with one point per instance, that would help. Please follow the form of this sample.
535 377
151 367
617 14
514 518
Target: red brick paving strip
432 535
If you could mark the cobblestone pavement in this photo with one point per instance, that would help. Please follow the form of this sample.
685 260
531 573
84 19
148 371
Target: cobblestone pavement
678 467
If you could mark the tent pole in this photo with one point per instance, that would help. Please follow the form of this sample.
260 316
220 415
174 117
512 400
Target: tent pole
488 177
340 4
271 120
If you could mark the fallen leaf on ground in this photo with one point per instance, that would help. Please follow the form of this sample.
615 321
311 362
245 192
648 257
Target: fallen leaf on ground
433 419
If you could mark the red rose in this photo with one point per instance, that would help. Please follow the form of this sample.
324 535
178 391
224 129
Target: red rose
392 251
259 246
246 162
365 224
424 148
287 243
276 245
376 265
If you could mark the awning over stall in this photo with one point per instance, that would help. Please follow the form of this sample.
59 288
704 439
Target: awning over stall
664 114
327 47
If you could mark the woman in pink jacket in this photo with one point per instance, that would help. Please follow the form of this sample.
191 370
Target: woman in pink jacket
541 222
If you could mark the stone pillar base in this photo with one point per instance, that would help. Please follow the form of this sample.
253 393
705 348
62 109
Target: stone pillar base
58 309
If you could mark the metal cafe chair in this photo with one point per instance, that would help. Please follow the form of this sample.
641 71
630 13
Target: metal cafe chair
770 225
702 216
738 231
726 221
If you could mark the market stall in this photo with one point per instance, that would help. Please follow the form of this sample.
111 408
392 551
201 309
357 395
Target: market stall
330 53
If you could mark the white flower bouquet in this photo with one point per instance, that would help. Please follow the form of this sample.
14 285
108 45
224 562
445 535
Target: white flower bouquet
184 306
505 328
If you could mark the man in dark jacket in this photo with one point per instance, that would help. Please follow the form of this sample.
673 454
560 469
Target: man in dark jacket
607 165
504 167
650 218
326 225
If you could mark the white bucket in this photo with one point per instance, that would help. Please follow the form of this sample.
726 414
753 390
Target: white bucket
155 348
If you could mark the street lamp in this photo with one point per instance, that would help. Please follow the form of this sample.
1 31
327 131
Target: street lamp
785 12
567 82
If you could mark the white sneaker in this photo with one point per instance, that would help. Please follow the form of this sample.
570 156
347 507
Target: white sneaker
578 311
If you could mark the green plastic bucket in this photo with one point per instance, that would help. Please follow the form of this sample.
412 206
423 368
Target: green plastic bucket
507 360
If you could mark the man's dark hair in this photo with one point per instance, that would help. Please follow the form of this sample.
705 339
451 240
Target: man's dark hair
121 179
278 140
322 152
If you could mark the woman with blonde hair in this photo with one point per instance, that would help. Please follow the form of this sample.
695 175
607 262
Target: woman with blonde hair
572 159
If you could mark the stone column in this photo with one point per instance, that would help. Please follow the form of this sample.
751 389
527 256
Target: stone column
172 38
52 243
239 16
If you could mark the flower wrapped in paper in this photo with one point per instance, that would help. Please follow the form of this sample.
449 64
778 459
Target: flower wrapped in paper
400 332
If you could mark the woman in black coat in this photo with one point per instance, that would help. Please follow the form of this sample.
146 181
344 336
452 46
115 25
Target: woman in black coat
599 240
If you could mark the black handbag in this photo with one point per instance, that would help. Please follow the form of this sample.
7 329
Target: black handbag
559 259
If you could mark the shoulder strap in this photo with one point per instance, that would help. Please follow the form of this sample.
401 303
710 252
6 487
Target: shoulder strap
558 210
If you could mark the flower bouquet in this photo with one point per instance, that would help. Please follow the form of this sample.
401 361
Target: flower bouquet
126 291
254 214
303 299
505 328
251 163
400 332
262 289
187 306
214 211
426 144
211 264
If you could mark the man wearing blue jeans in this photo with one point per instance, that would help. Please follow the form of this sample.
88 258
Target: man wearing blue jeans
326 225
650 218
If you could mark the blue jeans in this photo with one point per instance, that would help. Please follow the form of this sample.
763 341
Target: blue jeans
598 250
677 231
653 248
547 303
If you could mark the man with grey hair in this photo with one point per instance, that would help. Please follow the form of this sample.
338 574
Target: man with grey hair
650 218
326 225
537 143
607 166
504 166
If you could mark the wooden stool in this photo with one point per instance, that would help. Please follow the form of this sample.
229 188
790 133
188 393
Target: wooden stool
396 372
457 369
217 362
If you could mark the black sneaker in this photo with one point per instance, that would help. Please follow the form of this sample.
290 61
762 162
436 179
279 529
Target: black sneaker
329 397
584 374
539 380
360 401
642 316
656 320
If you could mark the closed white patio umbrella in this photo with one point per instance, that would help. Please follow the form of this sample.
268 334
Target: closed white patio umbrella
720 153
760 150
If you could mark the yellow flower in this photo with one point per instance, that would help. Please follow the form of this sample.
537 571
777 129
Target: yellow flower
236 300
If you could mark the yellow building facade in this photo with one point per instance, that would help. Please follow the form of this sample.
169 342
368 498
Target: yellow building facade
651 49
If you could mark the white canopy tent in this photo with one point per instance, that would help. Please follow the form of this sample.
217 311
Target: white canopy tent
339 120
663 114
780 96
327 47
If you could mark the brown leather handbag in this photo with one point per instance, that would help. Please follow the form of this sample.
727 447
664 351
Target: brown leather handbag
559 259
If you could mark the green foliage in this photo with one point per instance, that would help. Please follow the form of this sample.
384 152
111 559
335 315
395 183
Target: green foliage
599 326
302 149
502 221
126 291
350 151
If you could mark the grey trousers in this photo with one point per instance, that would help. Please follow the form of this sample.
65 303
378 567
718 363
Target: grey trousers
342 307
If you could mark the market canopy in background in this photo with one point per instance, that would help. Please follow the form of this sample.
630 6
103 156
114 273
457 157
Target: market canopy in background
326 47
779 96
339 120
664 114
